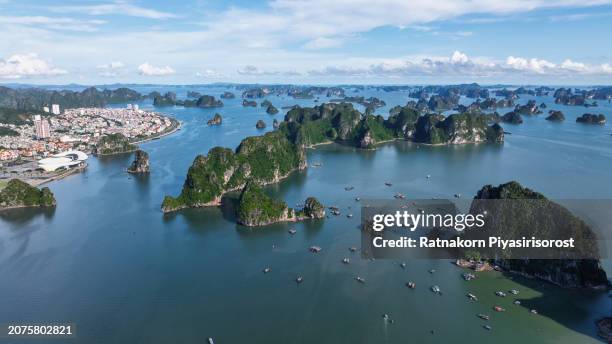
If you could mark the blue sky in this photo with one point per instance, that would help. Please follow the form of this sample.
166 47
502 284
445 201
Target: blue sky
298 41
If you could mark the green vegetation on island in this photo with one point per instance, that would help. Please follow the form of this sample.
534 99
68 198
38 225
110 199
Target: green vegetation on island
114 144
169 99
19 194
255 208
528 214
262 159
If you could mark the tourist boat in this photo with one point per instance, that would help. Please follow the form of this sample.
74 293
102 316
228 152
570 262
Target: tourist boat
428 176
346 260
457 195
357 199
468 276
472 297
266 270
353 249
349 215
348 188
315 249
210 340
403 265
533 311
500 293
411 285
399 196
517 302
487 327
431 271
514 292
299 279
360 279
435 289
388 183
483 316
292 231
317 164
499 309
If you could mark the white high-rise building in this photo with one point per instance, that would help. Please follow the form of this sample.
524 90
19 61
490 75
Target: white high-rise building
55 109
46 109
129 107
41 127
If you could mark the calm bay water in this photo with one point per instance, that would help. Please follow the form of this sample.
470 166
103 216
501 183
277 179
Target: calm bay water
108 260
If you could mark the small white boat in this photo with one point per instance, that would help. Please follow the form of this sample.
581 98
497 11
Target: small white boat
299 279
266 270
435 289
210 340
357 199
315 249
292 231
517 302
346 260
403 265
533 311
514 292
487 327
353 249
472 297
360 279
500 293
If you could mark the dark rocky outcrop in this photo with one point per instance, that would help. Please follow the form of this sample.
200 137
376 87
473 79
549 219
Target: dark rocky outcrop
228 95
271 110
313 209
260 124
19 194
140 163
555 116
530 213
216 120
512 117
246 103
589 118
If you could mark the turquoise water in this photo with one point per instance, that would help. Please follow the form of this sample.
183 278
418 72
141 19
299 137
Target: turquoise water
108 260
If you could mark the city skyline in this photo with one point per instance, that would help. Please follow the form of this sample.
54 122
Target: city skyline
313 42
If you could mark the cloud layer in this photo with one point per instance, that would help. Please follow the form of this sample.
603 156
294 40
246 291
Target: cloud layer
148 69
27 65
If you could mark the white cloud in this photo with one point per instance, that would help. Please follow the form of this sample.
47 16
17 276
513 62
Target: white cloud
26 65
322 43
114 8
110 69
209 73
250 70
150 70
461 65
61 23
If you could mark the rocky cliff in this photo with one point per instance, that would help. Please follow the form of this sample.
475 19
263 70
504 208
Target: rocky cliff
262 159
544 219
140 163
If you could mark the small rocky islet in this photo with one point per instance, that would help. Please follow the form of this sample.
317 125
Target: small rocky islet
216 120
141 163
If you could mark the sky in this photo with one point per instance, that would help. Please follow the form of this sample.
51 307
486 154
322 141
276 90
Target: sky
561 42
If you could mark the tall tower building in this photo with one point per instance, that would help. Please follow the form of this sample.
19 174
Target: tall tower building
55 109
41 127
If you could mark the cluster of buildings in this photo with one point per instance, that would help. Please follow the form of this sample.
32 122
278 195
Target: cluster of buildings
78 129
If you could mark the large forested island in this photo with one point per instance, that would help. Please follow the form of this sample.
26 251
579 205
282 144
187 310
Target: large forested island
19 194
271 157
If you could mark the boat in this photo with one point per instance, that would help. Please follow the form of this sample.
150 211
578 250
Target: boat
399 196
346 260
360 279
428 176
468 276
472 297
210 340
266 270
431 271
483 316
457 195
315 249
349 215
533 311
517 302
487 327
403 265
435 289
299 279
500 293
385 316
292 231
499 309
353 249
348 188
388 183
514 292
357 199
317 164
411 285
